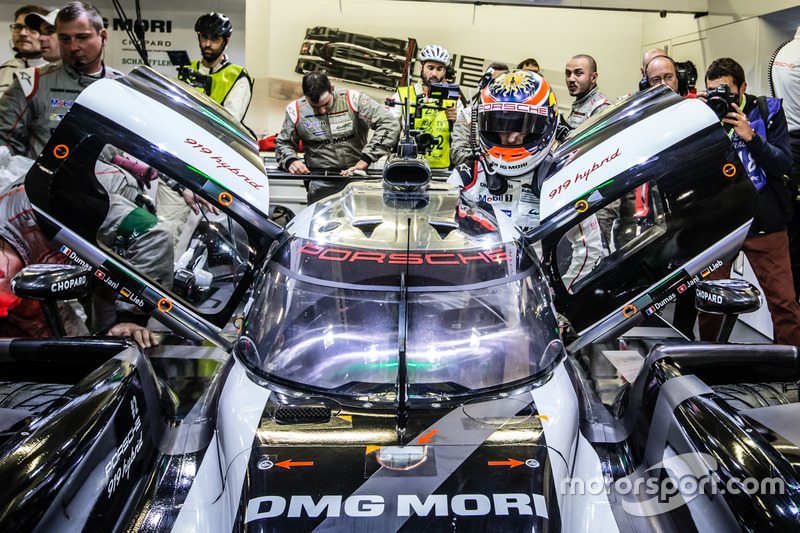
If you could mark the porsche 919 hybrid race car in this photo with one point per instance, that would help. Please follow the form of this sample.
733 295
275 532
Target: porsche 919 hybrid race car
380 62
400 365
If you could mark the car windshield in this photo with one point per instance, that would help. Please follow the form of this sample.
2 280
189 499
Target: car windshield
344 339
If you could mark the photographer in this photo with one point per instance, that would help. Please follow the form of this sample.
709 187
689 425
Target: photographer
434 62
757 127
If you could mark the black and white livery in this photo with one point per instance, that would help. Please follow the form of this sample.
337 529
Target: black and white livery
399 365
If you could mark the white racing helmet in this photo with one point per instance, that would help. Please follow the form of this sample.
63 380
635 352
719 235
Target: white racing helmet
434 52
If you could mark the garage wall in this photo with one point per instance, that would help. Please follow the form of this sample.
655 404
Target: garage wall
750 40
502 33
272 31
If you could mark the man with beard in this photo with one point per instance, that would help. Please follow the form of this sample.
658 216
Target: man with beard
231 85
25 43
227 84
434 61
334 126
581 79
48 38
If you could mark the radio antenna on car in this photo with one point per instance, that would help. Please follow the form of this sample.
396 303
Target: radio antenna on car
402 359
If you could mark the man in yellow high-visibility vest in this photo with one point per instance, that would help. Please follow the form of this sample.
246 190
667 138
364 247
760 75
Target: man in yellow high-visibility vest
231 85
434 61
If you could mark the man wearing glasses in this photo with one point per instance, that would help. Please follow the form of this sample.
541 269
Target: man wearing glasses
661 70
25 43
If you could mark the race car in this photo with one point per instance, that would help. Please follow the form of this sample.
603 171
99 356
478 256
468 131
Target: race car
379 62
400 363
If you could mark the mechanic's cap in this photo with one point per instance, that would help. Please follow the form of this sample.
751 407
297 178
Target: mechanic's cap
214 24
434 52
35 20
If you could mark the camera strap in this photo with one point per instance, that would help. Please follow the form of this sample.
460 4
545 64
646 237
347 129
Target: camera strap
763 109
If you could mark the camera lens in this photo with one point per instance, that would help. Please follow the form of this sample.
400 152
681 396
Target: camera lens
718 106
424 142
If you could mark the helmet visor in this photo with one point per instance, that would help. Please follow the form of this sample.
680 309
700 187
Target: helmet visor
532 125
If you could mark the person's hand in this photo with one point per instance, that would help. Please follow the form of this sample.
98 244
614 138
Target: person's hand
361 165
741 125
140 334
451 113
298 167
192 200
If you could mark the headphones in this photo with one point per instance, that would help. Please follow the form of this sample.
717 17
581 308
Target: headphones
683 79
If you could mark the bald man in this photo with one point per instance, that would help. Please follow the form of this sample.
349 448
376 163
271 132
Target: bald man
661 70
649 55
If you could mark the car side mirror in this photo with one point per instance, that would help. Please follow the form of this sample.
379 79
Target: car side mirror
729 297
49 284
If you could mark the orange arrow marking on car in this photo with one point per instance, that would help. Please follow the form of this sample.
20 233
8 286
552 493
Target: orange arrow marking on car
371 449
511 462
428 436
543 417
288 464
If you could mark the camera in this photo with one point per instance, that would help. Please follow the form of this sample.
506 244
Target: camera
721 100
425 141
687 74
186 74
444 91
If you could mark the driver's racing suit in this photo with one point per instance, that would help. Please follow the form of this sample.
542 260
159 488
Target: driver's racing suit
36 102
338 139
521 203
587 105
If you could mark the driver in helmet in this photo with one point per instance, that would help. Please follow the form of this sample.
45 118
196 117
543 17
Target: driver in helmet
231 85
434 61
517 118
516 129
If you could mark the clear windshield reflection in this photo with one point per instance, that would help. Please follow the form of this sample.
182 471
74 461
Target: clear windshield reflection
345 341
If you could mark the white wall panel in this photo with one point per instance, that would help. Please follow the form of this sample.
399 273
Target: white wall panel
503 33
